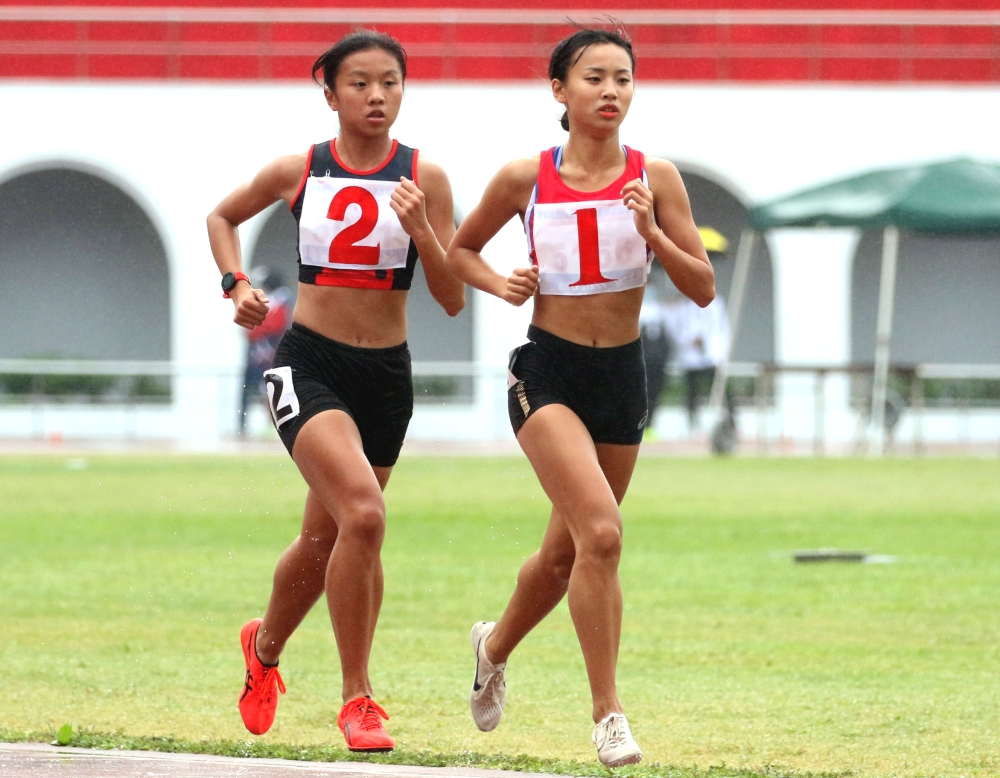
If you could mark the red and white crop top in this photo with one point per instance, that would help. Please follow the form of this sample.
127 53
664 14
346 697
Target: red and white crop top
348 235
585 242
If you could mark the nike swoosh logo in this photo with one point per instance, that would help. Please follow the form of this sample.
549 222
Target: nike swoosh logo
475 681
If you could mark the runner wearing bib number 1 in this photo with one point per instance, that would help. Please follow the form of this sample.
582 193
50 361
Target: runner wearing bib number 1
594 212
341 393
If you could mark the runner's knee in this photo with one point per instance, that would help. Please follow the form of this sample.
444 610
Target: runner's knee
364 522
602 540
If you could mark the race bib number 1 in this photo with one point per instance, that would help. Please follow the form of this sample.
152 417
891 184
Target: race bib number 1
588 247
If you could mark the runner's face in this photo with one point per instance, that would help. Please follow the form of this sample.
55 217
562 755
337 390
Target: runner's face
369 90
597 91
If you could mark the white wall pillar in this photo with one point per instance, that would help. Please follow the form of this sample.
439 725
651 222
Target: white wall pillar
812 272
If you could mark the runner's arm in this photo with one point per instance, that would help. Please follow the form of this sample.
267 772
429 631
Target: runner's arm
278 180
506 196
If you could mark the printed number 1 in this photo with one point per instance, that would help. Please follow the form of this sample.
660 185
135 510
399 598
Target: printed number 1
342 249
590 254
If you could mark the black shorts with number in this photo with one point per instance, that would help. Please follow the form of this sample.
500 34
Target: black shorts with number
604 387
374 386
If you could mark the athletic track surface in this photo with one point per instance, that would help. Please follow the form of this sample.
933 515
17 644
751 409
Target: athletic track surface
38 760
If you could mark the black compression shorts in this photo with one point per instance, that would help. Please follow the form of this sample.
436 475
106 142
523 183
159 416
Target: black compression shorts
374 386
604 387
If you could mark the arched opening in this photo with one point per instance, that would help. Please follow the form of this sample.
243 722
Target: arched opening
433 335
275 248
713 205
945 307
84 271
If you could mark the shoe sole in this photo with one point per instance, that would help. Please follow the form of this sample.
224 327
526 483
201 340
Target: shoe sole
370 750
625 760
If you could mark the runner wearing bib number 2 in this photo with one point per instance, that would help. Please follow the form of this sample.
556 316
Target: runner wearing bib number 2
594 212
340 392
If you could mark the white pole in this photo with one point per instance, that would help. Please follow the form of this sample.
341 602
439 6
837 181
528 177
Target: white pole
734 307
883 333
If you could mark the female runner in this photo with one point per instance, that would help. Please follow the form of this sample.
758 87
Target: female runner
593 210
341 393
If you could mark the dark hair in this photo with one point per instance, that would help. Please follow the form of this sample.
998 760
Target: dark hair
359 40
569 50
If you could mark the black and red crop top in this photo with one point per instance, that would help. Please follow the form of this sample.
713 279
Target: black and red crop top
347 233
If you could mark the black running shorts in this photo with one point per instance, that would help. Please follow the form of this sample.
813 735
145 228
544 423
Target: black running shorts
605 387
374 386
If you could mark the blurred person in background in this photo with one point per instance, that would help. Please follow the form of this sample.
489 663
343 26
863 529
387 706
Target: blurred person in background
262 340
657 350
702 339
341 391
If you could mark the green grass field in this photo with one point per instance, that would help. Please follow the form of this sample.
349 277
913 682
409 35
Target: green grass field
123 586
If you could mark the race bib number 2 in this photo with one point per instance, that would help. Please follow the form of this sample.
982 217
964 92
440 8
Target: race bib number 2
347 223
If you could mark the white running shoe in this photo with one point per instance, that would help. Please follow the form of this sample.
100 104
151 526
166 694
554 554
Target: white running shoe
615 745
488 687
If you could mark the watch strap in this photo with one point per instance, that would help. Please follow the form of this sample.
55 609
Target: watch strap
236 277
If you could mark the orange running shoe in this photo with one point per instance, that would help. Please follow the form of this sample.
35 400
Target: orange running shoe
360 721
259 699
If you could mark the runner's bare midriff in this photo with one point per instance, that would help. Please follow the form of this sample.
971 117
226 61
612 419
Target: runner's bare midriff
367 318
599 320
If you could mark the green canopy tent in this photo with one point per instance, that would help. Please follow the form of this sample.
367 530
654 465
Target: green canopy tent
956 197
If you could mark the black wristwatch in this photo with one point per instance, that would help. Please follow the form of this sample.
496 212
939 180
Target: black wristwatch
229 281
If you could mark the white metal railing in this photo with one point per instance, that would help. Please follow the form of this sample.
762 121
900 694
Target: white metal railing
765 376
226 391
91 367
930 370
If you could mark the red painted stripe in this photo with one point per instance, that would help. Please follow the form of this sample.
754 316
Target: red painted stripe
908 41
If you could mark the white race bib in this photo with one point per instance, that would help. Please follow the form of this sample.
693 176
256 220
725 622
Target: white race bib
281 398
587 247
346 223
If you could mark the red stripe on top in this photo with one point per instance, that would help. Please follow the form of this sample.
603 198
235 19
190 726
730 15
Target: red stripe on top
305 177
414 176
552 189
355 279
339 161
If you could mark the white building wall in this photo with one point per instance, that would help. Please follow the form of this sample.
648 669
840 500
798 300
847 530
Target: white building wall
179 148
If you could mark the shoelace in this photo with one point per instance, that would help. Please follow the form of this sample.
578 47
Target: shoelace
270 679
615 732
370 713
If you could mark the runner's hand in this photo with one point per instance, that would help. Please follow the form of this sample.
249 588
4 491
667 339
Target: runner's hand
521 285
251 305
408 203
639 199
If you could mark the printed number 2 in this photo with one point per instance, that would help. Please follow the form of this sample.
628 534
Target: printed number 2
342 249
281 397
277 387
590 255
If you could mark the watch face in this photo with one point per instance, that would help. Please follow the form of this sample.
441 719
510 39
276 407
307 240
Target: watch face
228 281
